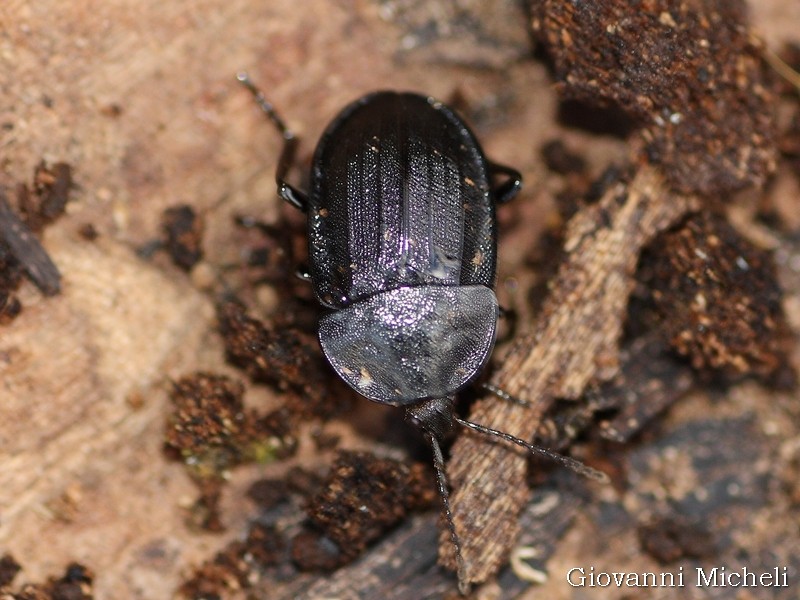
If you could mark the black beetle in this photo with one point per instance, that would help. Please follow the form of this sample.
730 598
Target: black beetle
402 246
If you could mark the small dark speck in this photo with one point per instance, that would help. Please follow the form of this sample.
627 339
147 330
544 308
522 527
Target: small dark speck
7 126
605 219
111 110
88 232
147 250
47 101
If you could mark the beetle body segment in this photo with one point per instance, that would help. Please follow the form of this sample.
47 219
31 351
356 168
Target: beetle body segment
400 196
411 342
402 244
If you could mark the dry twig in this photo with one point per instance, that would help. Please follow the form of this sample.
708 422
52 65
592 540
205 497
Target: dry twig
574 341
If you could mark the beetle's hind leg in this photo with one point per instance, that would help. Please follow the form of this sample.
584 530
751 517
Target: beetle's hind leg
507 189
303 272
511 318
288 192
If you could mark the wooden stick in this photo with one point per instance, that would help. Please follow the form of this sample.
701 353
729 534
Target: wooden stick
574 341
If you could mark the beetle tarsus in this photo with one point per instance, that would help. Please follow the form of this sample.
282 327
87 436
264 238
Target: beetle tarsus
303 273
508 188
292 195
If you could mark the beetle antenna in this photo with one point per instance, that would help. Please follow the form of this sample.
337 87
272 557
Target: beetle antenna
781 67
566 461
441 478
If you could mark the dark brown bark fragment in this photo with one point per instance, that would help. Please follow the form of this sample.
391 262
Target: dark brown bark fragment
687 71
718 298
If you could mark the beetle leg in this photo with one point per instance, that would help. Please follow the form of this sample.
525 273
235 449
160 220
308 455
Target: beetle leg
288 192
508 313
303 272
509 188
291 194
511 317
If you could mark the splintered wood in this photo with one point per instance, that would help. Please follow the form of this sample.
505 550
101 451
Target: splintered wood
575 341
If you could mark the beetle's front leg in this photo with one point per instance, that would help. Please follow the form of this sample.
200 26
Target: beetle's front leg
507 189
288 192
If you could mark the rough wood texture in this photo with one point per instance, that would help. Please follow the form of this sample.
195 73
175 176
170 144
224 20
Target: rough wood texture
74 443
139 97
403 567
575 340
